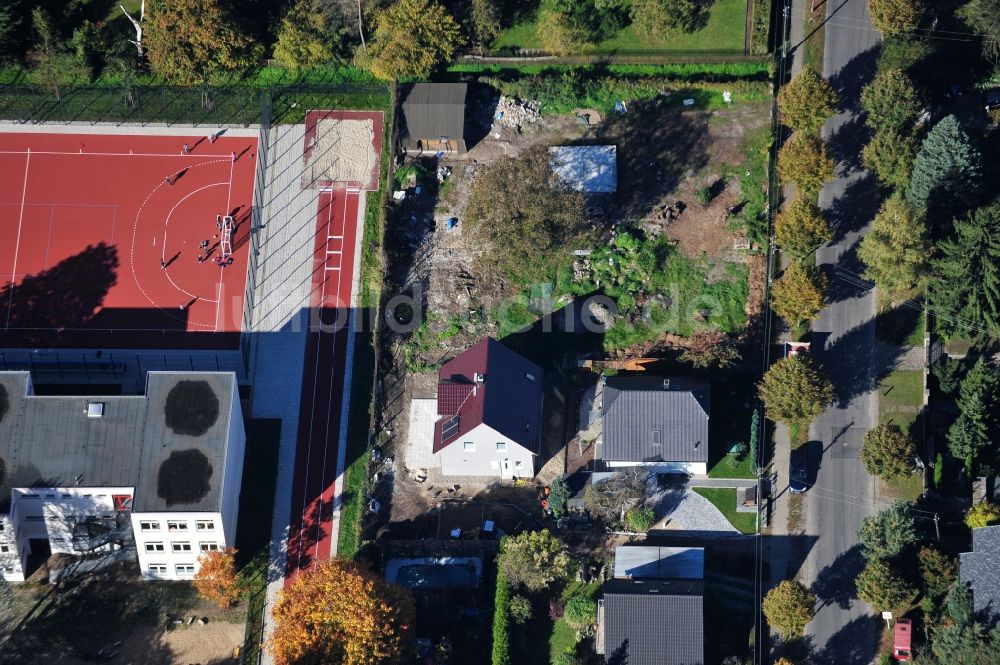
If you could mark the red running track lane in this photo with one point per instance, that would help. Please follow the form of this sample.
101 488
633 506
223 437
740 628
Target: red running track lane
85 221
310 528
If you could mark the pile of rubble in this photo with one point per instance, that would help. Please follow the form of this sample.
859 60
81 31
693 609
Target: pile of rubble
513 112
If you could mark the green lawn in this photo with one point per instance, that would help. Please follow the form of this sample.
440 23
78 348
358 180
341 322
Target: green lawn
724 32
902 326
909 488
901 398
563 639
732 401
724 498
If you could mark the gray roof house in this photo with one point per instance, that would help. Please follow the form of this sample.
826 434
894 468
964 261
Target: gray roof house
657 622
433 117
980 569
657 422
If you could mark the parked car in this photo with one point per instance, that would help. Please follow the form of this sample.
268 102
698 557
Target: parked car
798 472
901 635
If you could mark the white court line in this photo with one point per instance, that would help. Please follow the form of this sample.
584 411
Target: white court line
20 221
229 196
218 299
109 154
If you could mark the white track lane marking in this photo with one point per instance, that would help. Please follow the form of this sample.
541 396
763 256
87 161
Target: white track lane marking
115 154
17 243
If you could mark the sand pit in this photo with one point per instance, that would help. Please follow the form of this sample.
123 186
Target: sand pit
342 151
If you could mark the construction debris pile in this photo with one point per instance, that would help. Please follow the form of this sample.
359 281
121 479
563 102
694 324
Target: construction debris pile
513 113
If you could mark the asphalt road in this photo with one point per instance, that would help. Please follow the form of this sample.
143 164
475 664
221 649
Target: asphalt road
843 493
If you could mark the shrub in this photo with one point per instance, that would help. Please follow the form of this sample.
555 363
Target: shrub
640 519
982 514
558 494
520 608
938 471
556 609
581 612
704 195
501 622
533 559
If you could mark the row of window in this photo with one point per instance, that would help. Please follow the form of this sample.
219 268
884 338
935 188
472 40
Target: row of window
177 525
64 496
181 547
180 569
470 446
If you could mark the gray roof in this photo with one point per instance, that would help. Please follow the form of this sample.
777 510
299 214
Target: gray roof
980 568
432 111
635 407
48 441
654 623
648 562
586 168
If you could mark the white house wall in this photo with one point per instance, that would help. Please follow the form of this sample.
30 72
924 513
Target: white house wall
233 472
485 460
693 468
181 545
12 560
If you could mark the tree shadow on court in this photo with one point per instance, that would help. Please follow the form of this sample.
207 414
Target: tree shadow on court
67 295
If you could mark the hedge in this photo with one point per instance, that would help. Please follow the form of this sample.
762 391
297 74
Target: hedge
501 622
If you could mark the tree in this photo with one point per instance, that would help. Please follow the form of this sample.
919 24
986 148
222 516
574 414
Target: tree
412 37
10 26
188 40
879 586
984 18
896 250
886 534
937 570
977 403
904 52
522 218
890 157
710 348
581 612
216 579
302 41
558 495
659 18
57 69
754 445
483 22
338 612
959 605
964 644
982 514
891 102
807 101
795 391
789 607
947 166
804 161
799 294
892 17
965 293
533 559
887 452
609 499
801 229
557 35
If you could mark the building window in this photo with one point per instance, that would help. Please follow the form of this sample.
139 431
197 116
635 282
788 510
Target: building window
184 569
501 447
209 547
518 464
180 547
205 525
34 518
149 525
157 569
176 525
469 446
154 547
4 548
656 438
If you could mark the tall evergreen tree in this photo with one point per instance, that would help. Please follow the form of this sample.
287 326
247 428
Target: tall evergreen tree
965 293
977 403
896 251
984 17
948 165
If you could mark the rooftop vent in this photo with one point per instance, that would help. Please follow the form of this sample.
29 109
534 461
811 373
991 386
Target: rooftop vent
529 376
95 409
666 384
479 378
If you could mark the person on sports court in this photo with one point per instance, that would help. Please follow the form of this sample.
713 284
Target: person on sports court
186 149
201 259
163 264
234 156
168 180
204 244
218 221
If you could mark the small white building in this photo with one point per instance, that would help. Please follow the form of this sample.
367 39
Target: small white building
158 473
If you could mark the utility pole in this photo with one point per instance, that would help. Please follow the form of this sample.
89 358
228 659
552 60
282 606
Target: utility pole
937 527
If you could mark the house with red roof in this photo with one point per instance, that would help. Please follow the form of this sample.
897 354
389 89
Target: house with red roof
489 406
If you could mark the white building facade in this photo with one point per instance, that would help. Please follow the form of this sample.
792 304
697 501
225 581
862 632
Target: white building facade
92 475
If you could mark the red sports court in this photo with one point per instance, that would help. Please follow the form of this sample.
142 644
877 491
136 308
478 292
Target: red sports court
124 241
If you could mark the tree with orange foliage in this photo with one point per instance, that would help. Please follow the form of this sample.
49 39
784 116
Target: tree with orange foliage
216 579
338 612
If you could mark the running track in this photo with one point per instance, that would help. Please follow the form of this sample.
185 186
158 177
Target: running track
310 528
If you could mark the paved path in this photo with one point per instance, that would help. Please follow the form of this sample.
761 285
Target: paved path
689 511
714 482
844 630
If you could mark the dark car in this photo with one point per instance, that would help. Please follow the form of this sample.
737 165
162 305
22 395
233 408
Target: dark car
798 476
